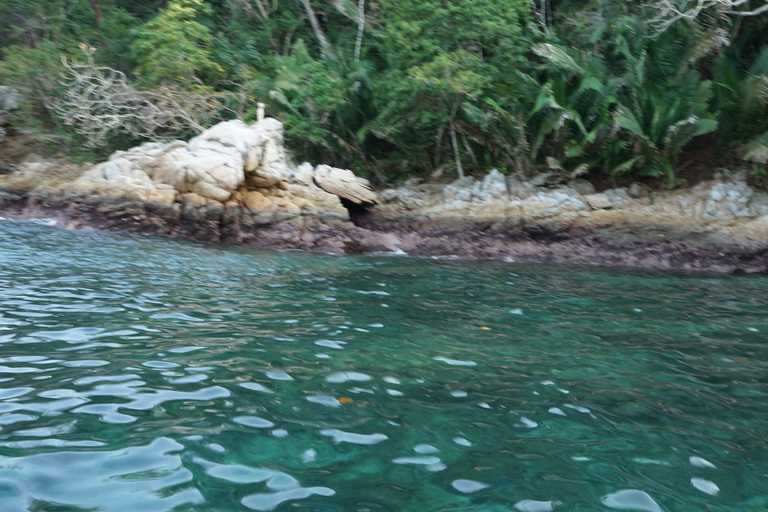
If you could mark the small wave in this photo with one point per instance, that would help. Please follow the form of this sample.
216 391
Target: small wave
44 222
397 252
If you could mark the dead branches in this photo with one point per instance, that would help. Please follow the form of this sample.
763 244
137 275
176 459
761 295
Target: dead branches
100 102
671 11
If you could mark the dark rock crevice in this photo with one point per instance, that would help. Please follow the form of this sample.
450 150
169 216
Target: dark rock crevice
358 213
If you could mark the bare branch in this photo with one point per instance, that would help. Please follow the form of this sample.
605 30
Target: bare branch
99 102
670 12
455 142
325 45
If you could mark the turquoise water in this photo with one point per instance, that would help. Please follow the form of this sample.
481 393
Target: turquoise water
143 374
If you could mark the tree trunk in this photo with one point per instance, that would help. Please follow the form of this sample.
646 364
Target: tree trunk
456 155
471 152
96 10
324 44
262 9
541 15
360 29
438 145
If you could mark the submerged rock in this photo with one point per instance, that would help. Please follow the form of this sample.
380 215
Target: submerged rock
631 499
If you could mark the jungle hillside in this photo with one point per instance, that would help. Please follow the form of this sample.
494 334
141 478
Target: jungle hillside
608 90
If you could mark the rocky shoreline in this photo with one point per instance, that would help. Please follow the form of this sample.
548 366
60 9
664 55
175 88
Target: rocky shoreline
327 233
234 185
627 240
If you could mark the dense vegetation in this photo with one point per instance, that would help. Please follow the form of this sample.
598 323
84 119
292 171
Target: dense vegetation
616 90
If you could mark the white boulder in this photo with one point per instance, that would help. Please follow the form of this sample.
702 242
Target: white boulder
231 160
345 184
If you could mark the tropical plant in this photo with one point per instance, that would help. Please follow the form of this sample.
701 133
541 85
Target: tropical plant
403 87
661 118
571 118
174 47
741 98
627 107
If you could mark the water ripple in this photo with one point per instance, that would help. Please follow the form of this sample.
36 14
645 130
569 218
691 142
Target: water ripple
161 375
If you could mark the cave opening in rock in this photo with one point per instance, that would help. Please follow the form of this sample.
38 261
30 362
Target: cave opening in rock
358 213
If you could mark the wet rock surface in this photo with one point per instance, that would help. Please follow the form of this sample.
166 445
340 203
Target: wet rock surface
205 223
719 226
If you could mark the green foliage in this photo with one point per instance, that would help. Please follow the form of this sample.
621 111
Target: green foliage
662 118
625 105
445 60
435 83
741 98
174 47
33 72
66 25
572 114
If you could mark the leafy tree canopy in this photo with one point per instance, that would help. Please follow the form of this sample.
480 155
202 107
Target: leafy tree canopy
615 90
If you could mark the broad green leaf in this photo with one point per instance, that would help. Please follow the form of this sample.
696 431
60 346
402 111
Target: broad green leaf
627 120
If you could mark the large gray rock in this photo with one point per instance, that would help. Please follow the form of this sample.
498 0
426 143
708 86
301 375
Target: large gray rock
598 201
232 163
266 160
729 200
460 190
10 99
213 164
520 189
618 197
345 184
562 199
582 186
492 187
546 179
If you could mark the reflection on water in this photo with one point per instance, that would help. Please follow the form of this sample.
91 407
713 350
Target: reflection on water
148 374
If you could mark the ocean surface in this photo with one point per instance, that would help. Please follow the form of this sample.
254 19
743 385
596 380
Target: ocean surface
148 374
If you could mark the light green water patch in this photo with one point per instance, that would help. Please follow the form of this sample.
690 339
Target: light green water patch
147 374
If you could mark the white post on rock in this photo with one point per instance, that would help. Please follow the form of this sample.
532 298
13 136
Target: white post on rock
260 112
